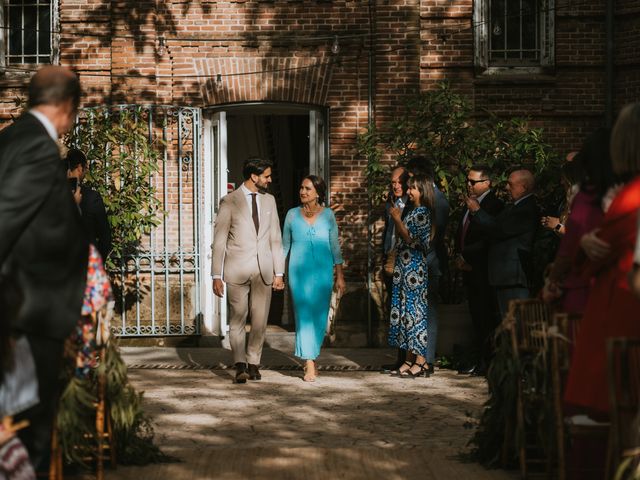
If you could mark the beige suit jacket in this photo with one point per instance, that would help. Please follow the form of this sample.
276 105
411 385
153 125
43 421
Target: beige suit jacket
236 245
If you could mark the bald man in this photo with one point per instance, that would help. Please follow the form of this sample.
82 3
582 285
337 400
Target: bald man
43 249
511 235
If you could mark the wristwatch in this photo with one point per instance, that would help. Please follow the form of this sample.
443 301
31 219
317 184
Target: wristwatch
558 227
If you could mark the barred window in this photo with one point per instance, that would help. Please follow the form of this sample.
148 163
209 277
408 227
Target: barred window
27 28
513 33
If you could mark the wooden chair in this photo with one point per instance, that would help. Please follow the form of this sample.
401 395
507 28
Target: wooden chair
623 362
105 449
527 320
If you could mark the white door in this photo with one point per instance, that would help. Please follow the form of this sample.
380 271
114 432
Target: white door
215 187
317 145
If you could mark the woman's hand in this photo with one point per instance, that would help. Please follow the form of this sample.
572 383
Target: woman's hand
594 247
551 292
550 222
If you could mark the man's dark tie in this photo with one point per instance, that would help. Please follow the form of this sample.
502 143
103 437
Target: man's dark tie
254 211
465 227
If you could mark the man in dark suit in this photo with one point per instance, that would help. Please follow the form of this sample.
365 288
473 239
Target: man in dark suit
43 249
472 248
512 232
94 215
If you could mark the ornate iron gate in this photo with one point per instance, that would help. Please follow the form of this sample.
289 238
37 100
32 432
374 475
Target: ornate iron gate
163 275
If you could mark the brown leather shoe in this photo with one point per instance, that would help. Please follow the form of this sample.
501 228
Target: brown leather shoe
241 372
254 373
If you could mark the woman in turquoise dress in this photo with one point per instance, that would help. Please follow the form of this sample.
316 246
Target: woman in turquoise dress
310 241
408 325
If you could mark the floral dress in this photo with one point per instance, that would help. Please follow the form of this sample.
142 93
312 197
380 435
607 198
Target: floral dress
408 326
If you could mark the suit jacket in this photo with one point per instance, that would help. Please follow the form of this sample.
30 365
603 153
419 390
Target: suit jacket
94 218
236 246
43 247
512 232
475 248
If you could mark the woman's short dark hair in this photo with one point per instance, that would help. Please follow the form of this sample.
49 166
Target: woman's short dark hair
255 166
320 186
594 161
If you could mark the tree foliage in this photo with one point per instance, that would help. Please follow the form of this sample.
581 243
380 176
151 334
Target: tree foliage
122 161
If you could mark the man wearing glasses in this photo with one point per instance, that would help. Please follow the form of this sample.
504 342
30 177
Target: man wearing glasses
472 246
511 233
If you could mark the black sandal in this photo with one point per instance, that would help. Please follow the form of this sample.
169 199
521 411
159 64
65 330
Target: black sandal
423 372
398 373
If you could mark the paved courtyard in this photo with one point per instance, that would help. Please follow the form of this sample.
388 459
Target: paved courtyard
349 424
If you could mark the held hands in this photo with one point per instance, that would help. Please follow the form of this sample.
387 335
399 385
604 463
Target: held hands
278 284
595 248
550 222
461 264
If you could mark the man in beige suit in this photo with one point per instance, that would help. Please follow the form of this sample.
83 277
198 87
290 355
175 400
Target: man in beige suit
248 257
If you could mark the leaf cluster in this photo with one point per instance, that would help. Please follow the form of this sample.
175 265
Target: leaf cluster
122 161
131 428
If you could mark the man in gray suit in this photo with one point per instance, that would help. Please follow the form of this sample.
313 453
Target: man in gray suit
248 257
511 234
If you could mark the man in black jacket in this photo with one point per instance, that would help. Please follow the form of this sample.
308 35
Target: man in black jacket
512 232
94 215
472 248
43 249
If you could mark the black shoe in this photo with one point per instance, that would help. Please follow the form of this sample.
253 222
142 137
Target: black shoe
254 373
397 372
241 372
468 370
390 367
432 369
423 372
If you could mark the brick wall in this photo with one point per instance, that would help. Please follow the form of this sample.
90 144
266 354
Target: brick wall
172 52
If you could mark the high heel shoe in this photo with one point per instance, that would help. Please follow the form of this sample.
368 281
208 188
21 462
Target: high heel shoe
423 372
397 372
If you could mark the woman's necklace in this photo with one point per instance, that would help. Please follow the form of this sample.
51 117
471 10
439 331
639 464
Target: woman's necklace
310 212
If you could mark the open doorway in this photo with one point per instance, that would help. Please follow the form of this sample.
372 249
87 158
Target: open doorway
293 138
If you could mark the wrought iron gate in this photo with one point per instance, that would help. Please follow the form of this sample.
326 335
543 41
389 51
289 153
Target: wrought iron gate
163 275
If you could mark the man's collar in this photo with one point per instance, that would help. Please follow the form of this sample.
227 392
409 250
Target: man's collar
481 197
44 120
523 198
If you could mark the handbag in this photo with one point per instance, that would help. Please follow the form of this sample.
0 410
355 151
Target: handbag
389 263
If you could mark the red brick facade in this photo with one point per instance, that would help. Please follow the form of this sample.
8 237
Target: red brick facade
209 52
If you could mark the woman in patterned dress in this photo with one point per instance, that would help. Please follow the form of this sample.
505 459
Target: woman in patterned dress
408 326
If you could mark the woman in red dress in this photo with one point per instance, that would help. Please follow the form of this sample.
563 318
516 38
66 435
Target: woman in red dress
612 310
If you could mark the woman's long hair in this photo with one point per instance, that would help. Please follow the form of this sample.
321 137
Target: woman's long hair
625 142
427 197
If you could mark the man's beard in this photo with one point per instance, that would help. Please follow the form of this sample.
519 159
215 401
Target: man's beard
262 188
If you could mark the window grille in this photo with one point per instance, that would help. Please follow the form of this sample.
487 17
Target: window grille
512 34
27 31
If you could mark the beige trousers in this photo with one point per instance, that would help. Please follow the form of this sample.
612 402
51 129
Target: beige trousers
252 296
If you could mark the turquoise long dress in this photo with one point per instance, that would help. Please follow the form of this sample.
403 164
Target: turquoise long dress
313 250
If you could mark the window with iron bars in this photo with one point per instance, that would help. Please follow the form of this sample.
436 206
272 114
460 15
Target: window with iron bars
27 32
513 35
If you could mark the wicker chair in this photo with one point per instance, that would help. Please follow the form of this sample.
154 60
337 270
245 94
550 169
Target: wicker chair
527 320
623 361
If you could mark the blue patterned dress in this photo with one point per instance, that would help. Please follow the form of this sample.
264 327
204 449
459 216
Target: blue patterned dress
408 329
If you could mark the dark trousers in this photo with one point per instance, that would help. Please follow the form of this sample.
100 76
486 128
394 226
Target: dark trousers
483 309
47 355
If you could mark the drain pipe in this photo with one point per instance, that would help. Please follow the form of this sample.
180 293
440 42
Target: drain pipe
609 56
370 120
